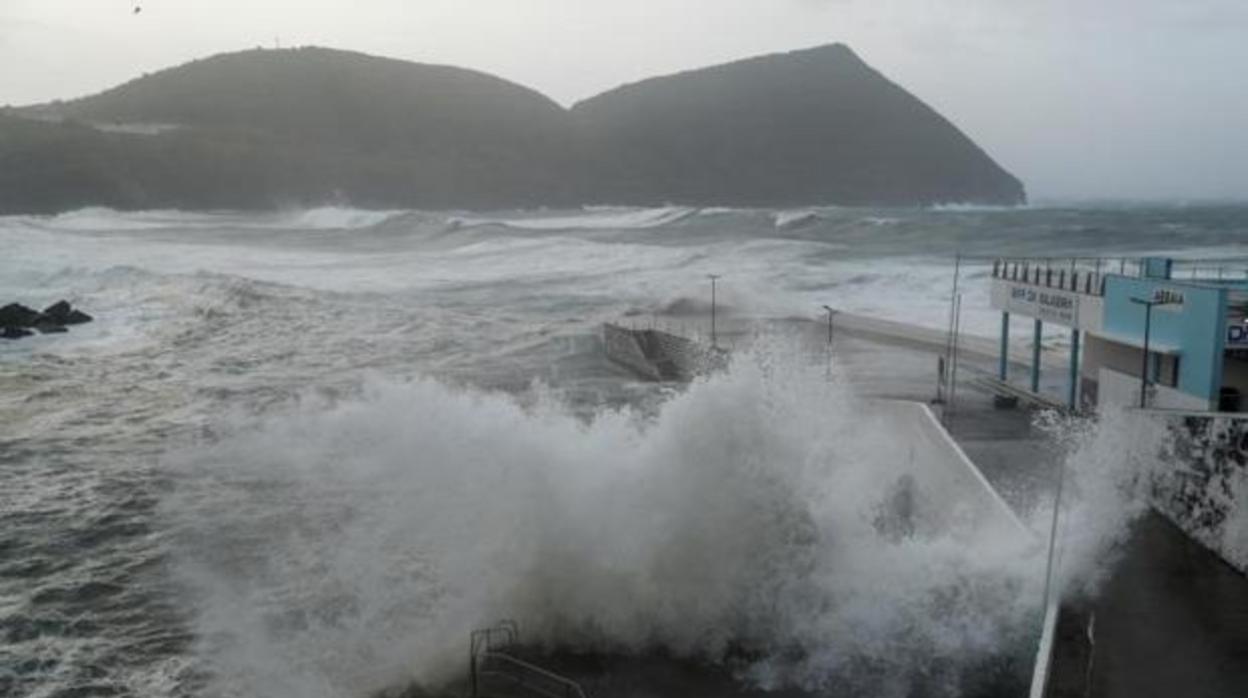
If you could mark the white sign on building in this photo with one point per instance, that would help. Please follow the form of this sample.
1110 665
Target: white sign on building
1082 311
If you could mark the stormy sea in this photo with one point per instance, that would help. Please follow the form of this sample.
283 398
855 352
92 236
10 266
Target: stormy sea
306 453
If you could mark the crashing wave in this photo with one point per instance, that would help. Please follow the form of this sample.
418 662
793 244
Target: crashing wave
590 218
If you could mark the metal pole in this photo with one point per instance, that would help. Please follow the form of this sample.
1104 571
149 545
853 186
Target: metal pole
1037 334
1003 367
953 367
1057 507
953 296
1073 397
713 278
1148 317
828 366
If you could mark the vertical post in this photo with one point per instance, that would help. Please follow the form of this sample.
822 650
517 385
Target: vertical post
828 368
957 339
1148 318
953 360
714 338
1073 398
953 299
1035 357
1004 366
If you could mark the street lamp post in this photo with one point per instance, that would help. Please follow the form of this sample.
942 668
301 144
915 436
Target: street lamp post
713 278
830 313
1159 298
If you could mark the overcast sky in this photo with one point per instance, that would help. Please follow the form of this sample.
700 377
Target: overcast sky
1079 98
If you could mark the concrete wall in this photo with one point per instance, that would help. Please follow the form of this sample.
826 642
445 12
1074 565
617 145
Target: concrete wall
657 355
964 500
622 347
682 358
1205 490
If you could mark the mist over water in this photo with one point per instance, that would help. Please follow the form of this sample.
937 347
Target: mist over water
303 454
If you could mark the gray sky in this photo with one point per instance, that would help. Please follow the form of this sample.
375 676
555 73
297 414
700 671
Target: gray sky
1079 98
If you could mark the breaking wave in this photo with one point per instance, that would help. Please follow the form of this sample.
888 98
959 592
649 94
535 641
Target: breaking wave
110 220
351 546
592 218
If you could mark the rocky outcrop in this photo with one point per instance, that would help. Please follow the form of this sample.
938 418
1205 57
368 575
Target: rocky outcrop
18 321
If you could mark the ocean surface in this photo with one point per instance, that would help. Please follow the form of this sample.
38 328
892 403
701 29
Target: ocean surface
303 454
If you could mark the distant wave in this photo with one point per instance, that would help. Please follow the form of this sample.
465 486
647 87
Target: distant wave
590 218
107 219
102 219
795 219
335 217
971 208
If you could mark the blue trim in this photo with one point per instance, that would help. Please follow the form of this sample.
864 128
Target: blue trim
1196 329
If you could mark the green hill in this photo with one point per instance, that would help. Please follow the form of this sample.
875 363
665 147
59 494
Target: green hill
263 129
810 126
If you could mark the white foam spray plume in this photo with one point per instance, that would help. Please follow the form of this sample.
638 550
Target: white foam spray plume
1110 465
347 547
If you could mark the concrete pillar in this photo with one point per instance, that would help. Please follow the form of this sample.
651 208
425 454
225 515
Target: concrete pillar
1035 357
1073 398
1003 369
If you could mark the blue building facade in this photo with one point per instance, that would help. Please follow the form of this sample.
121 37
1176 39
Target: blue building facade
1193 326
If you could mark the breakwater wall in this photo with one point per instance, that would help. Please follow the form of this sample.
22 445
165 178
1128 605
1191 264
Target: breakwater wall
1205 491
659 356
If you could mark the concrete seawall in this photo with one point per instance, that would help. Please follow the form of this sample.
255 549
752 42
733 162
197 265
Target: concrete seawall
963 499
1205 493
623 348
657 355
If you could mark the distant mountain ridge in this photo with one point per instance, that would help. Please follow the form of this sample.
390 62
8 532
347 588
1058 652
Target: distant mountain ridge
811 126
278 128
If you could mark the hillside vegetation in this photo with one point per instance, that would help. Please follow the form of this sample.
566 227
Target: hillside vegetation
264 129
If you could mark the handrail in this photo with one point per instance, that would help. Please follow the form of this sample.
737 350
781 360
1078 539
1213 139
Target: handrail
488 644
481 641
1045 269
571 689
1070 275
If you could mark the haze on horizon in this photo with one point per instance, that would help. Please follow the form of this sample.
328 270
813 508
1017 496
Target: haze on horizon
1118 99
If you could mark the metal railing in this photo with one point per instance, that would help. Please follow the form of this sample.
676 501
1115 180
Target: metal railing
490 657
1087 274
1075 274
529 677
1226 269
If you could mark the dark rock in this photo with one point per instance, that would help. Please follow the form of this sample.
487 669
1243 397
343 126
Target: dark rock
49 326
77 317
62 313
18 315
58 311
8 332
